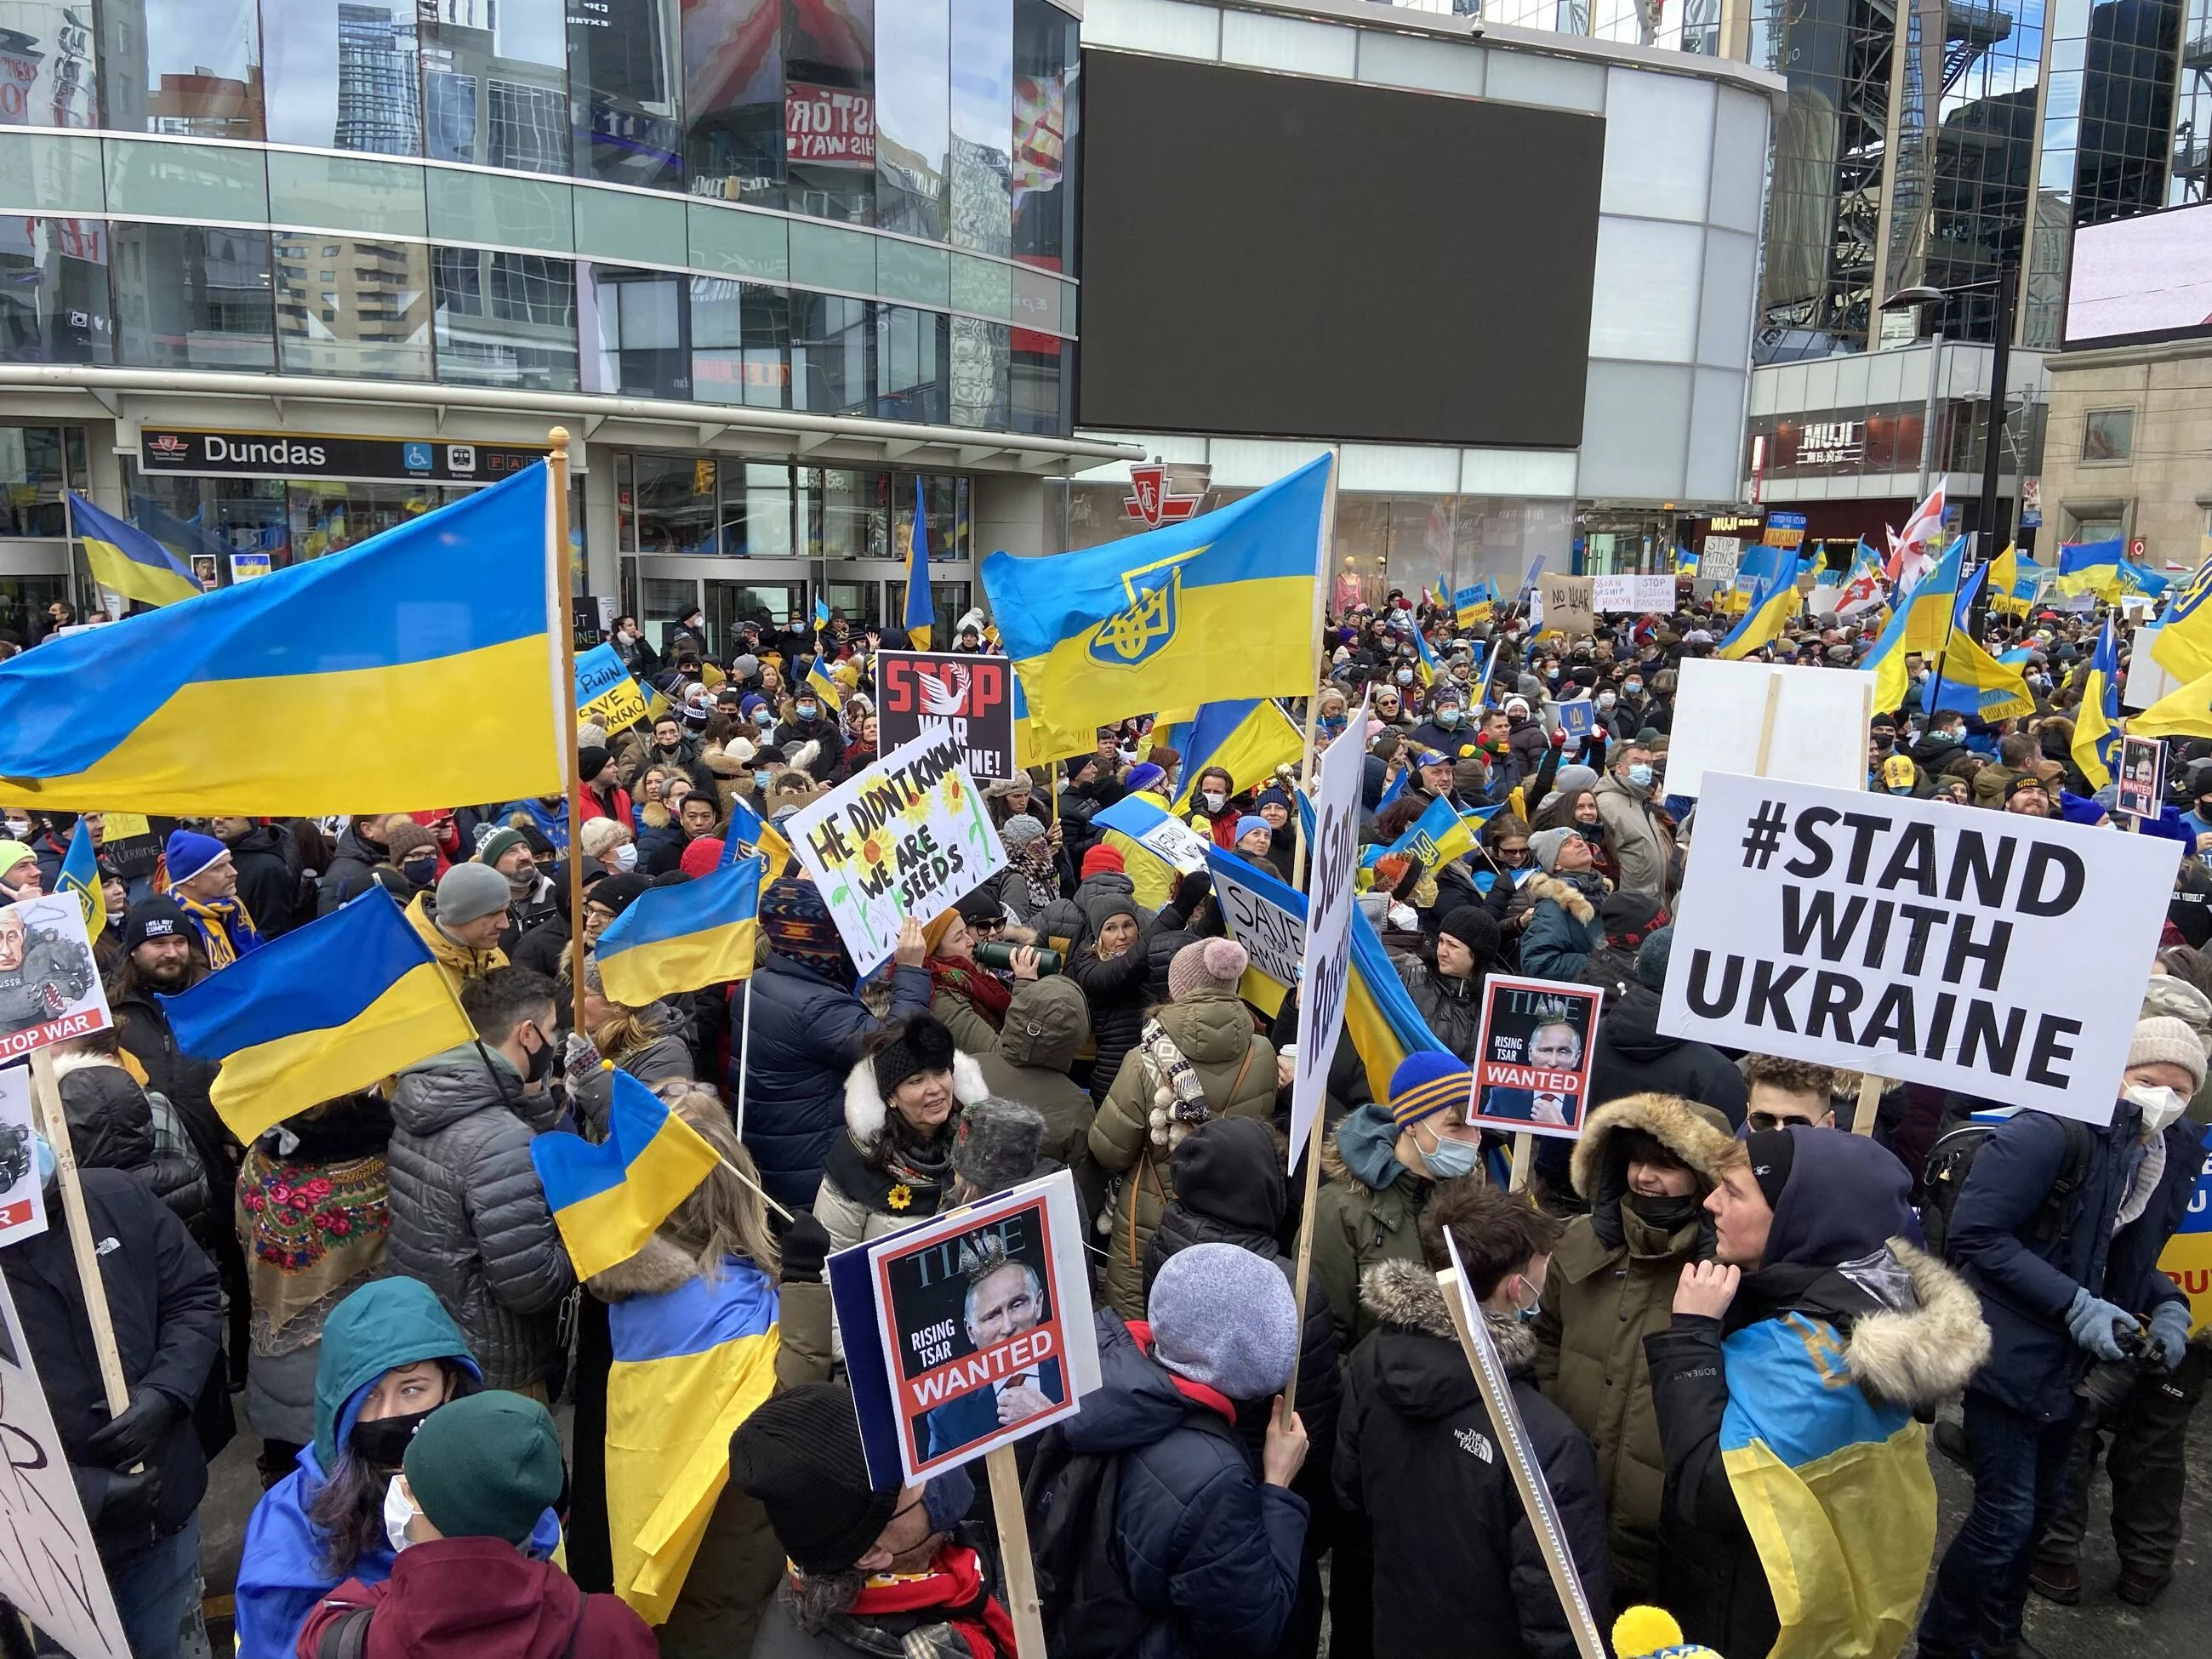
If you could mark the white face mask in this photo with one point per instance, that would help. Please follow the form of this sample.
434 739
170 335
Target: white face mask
398 1510
1215 800
2161 1107
626 856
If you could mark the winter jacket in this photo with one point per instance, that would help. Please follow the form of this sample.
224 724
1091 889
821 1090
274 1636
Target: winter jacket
115 1125
481 1598
1418 1456
1369 1211
268 877
165 1303
1118 990
459 962
1131 1136
469 1217
1208 1551
822 732
806 1033
1562 926
1065 923
282 1571
1046 1026
1644 846
2027 1289
142 1026
1912 1358
352 870
1452 1006
858 1199
1612 1284
1630 1058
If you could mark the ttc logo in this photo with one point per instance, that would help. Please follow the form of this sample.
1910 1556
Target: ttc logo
1150 502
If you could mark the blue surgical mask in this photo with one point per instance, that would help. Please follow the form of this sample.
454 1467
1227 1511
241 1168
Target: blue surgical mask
764 718
1535 1306
1447 717
1640 776
761 780
45 1157
1451 1159
807 711
1633 687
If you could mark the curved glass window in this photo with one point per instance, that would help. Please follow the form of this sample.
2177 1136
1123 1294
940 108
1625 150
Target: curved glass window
505 319
733 106
496 84
623 92
829 109
913 116
341 74
200 64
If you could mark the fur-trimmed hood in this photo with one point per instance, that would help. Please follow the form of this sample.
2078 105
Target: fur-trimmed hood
655 1270
1921 1357
1696 1134
864 1101
1569 897
1406 1295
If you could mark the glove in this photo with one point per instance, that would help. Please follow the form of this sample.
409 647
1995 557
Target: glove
2089 1321
579 1055
129 1437
2169 1333
1558 739
805 1247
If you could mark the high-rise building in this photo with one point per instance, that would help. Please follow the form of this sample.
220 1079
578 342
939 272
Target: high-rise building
378 108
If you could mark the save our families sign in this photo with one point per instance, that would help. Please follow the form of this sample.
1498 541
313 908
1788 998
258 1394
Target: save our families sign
1915 941
905 838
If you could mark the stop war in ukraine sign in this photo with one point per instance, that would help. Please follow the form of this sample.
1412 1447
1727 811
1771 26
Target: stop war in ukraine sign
2000 956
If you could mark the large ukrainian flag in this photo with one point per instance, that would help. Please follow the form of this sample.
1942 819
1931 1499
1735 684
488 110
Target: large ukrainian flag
323 1011
674 939
1247 739
2091 567
2183 644
607 1199
420 667
1774 607
1834 1490
1216 607
125 560
690 1365
1921 622
2096 748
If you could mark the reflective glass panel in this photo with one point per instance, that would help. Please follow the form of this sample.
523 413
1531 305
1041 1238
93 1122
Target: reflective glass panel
981 191
829 109
341 74
1034 390
851 517
47 60
31 482
756 516
494 84
910 364
623 87
733 99
740 344
673 499
54 292
353 308
194 297
200 64
913 116
505 319
981 361
634 333
1043 132
831 339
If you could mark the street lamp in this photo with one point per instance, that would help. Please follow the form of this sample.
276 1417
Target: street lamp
1985 516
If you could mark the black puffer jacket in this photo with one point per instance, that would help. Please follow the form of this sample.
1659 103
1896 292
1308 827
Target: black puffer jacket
1631 1058
1118 990
349 873
1418 1455
1067 919
112 1127
268 866
1453 1007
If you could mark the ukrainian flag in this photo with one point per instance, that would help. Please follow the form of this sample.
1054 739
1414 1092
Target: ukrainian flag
125 560
2183 644
818 682
2006 582
608 1199
323 1011
683 937
2090 567
921 609
821 613
747 835
1972 681
1248 738
1221 605
81 875
1472 605
1774 605
1431 671
2140 579
1921 622
422 665
1435 838
1834 1490
2096 748
690 1365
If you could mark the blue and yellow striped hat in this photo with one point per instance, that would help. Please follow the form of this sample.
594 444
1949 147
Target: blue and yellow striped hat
1428 1083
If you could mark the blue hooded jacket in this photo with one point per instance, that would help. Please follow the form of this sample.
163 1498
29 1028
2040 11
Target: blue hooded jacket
282 1573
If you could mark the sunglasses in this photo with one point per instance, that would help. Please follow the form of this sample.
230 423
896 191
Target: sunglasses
1772 1121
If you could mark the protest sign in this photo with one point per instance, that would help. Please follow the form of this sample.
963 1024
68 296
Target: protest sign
2140 781
50 1570
49 989
982 1321
1157 830
606 695
1323 967
1634 592
2148 680
245 566
1817 735
1570 605
1578 717
2187 1258
1268 919
22 1199
974 696
1717 562
1913 941
1533 1059
127 841
1495 1384
904 838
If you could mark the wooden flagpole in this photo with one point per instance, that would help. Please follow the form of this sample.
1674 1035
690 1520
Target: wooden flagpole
558 553
47 1087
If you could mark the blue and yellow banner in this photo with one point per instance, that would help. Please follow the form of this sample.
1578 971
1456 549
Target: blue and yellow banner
80 874
1433 840
1476 604
327 1009
2096 748
2183 644
423 665
2091 567
684 937
1247 739
607 696
1921 622
1775 604
1973 682
608 1199
1211 607
125 560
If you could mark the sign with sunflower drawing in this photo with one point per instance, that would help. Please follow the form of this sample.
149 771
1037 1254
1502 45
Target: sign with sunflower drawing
907 837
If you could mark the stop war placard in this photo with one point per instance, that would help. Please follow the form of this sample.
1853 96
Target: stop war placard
1992 953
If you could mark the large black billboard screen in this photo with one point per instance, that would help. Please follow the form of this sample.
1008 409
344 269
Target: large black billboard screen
1274 255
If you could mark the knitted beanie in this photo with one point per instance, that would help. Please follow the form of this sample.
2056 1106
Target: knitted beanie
404 838
486 1467
1224 1317
1250 821
1019 830
154 918
1477 929
1544 846
917 1045
997 1143
797 925
800 1454
1102 859
468 892
1143 775
1652 956
497 844
189 854
701 856
1207 965
1427 1083
2164 1039
1629 916
598 836
591 760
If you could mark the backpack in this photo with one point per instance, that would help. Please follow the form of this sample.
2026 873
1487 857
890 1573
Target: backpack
1950 1159
1070 1498
346 1636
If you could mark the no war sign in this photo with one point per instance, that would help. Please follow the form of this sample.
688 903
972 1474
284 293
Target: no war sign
1994 954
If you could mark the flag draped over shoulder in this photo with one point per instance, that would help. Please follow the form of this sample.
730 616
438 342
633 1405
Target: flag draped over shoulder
608 1199
1247 739
125 560
323 1011
2097 722
422 665
1834 1490
1219 606
684 937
